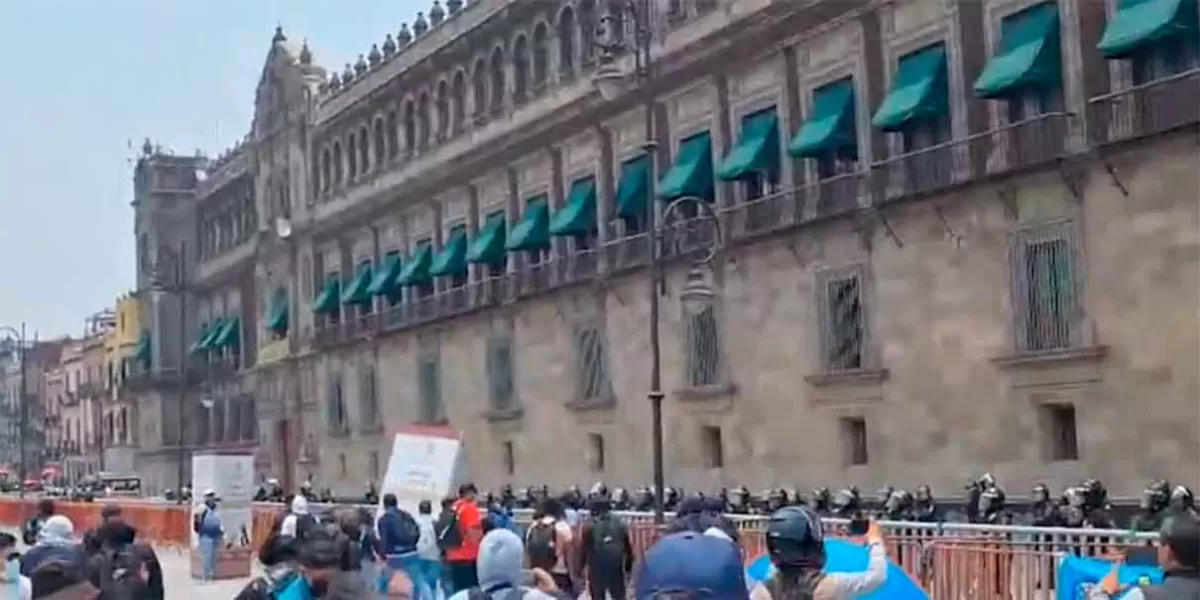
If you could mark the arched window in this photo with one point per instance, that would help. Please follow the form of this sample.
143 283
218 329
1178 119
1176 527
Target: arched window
423 120
541 55
410 126
380 143
497 68
315 180
351 157
587 31
479 87
566 41
520 60
443 109
393 135
458 102
364 150
326 170
338 165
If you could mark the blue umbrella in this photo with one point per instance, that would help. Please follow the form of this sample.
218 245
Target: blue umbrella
1076 575
842 556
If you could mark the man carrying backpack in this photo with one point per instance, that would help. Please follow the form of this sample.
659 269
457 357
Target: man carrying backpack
398 537
124 568
550 542
298 523
459 537
208 527
606 550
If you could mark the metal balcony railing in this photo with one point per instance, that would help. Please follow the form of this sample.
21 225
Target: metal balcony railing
1148 109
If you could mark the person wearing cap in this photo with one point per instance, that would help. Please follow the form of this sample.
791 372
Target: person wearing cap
460 560
210 531
690 564
1179 557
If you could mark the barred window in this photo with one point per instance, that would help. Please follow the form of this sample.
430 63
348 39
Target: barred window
703 343
501 385
591 364
336 406
1060 441
1045 290
429 383
846 333
368 397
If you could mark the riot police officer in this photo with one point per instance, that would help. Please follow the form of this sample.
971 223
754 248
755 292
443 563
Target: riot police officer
925 508
1043 511
1152 506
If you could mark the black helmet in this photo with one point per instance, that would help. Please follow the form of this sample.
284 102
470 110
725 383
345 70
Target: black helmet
1182 498
796 538
1040 493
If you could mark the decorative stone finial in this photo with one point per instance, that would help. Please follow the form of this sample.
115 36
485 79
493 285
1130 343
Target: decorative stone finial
335 82
389 46
420 26
374 57
360 66
347 74
436 14
404 36
454 6
306 56
147 148
279 37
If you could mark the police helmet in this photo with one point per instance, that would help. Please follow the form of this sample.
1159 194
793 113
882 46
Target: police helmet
796 538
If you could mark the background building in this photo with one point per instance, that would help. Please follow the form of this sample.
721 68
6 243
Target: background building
126 345
949 246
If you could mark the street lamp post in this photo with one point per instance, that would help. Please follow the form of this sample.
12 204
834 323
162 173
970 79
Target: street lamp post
18 335
611 82
177 284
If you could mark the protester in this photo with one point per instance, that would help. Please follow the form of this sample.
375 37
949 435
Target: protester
58 580
1179 557
796 545
460 539
550 543
55 543
29 533
399 535
12 582
606 551
687 565
500 575
299 522
370 550
278 557
319 559
120 555
349 581
210 532
428 553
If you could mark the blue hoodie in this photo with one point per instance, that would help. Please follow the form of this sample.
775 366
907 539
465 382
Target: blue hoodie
501 554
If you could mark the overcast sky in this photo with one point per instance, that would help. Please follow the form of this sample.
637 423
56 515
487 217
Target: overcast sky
86 81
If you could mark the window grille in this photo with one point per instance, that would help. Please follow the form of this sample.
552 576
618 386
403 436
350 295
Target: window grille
845 334
369 397
501 386
592 364
703 340
336 407
430 389
1046 289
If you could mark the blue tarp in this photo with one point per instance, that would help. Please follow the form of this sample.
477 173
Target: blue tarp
1077 575
842 556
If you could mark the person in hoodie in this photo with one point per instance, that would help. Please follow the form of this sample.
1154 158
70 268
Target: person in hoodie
319 558
55 543
12 583
428 552
119 549
500 574
299 522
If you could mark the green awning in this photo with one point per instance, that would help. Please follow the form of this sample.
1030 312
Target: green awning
210 336
452 260
277 318
416 270
1029 54
692 174
1138 24
533 230
488 247
143 351
386 281
830 127
578 216
757 150
201 339
919 90
633 189
229 335
359 290
327 300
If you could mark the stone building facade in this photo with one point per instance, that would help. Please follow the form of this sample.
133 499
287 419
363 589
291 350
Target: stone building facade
955 237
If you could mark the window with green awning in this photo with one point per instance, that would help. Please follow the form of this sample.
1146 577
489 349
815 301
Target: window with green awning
277 317
201 339
577 217
386 282
633 189
214 329
1141 24
230 334
1029 55
327 301
452 260
757 149
358 292
919 93
416 270
144 350
692 173
532 232
488 247
831 128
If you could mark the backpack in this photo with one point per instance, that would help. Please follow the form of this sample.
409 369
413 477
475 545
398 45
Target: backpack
30 533
608 536
119 572
806 587
409 530
541 545
514 593
448 535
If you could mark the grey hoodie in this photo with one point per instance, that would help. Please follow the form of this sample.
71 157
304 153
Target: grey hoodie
501 554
